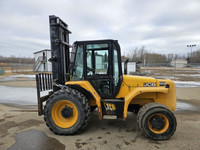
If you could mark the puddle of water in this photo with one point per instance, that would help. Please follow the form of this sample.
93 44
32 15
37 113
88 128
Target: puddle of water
35 140
19 95
182 106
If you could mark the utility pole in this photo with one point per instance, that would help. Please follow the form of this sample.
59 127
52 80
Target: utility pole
191 50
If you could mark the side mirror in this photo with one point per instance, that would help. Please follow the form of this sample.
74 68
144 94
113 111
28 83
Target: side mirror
54 58
67 76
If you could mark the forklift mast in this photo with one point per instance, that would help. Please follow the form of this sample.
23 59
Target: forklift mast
60 50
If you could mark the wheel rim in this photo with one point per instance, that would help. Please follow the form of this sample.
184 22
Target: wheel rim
158 123
57 114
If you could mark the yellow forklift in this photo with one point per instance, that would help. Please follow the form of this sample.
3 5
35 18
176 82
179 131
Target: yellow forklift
88 75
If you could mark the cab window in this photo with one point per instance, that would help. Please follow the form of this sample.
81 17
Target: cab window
97 59
78 64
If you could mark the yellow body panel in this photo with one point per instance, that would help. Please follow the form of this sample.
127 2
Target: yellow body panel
87 86
133 91
168 99
131 82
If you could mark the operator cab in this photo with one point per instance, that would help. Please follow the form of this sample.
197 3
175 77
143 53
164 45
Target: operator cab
98 62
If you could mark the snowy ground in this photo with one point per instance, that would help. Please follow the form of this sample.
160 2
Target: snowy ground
192 75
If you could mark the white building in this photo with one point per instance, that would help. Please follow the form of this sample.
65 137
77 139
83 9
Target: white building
179 63
131 67
41 61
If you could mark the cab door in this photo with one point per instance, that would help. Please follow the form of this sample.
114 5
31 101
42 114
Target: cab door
102 68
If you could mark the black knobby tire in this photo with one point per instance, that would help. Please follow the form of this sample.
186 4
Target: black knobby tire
81 103
152 109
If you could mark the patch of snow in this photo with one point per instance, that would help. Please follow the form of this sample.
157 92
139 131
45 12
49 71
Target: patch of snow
14 77
192 75
184 106
167 77
187 84
23 76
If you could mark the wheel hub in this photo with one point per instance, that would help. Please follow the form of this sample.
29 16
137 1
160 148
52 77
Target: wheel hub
157 122
67 112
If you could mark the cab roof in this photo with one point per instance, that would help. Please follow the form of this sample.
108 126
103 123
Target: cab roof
97 41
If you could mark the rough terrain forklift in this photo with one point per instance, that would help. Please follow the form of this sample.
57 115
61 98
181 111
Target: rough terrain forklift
88 75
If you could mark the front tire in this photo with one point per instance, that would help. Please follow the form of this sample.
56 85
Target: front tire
156 121
67 112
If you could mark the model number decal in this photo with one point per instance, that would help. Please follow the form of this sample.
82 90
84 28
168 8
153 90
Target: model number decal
149 84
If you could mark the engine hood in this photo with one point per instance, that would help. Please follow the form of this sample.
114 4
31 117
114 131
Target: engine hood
137 81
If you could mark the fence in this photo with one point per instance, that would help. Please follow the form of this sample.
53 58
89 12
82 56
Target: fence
190 71
178 71
177 65
17 67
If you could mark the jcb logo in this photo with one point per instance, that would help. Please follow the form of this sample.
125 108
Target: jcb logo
149 84
110 106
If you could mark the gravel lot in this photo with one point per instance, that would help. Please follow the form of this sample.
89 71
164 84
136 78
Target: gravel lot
21 128
100 134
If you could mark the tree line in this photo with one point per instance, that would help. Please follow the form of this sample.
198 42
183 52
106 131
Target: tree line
195 57
17 60
135 54
142 55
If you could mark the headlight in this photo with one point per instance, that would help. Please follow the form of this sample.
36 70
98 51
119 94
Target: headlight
162 83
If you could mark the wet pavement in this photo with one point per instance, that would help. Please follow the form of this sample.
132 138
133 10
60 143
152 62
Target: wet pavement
35 140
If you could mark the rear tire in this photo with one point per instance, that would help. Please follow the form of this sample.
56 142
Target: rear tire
156 121
76 112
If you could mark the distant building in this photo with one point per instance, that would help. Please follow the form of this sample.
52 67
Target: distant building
132 67
179 63
41 61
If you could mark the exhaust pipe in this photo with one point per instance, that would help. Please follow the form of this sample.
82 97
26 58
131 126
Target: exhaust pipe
125 66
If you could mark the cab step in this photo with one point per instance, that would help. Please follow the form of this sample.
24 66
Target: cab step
109 117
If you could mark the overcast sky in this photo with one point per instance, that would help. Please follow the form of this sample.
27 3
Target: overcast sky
163 26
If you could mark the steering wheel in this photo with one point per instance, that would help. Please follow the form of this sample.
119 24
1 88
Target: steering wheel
90 69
